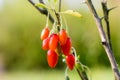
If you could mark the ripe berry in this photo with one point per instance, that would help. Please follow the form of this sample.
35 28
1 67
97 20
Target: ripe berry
53 43
52 58
62 37
45 32
66 47
45 44
70 60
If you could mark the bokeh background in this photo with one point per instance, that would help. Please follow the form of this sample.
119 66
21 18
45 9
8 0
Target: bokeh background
21 55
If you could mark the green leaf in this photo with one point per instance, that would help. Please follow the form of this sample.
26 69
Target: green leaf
71 12
41 5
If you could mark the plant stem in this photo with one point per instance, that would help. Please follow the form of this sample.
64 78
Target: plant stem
105 44
60 5
82 74
58 16
79 66
41 10
106 18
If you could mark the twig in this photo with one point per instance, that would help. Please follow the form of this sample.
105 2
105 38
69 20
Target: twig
104 40
106 18
82 74
43 11
79 66
60 5
58 16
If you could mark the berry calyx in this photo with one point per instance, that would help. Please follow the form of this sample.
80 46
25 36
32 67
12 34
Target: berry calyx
62 36
45 44
45 32
53 43
52 58
70 60
66 47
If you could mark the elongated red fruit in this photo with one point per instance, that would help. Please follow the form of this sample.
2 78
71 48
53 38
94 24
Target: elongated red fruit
62 37
53 43
70 60
66 47
45 44
52 58
45 32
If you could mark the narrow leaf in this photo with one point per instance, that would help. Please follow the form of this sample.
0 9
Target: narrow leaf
71 12
41 5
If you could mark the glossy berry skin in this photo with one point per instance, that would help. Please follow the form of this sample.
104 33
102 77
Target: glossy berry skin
53 43
45 44
62 37
52 58
45 32
66 47
70 60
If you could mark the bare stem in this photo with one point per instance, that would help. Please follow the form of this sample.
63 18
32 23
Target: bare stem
60 5
82 74
106 18
105 44
42 11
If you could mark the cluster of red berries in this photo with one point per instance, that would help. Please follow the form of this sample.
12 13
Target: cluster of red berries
53 42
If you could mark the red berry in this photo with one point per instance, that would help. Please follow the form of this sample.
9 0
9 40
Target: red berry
52 58
70 60
62 37
66 47
45 32
53 43
45 44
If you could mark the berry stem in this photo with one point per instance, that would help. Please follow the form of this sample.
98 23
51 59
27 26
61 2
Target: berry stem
79 66
47 21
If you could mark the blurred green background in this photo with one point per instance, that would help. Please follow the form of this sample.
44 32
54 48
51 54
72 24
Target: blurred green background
20 46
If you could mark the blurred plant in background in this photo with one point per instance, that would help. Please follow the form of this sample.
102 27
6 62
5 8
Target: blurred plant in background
20 27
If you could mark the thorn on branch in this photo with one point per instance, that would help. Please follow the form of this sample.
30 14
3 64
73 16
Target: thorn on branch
112 8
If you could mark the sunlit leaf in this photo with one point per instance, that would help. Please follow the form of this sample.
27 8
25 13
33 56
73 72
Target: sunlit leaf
71 12
41 5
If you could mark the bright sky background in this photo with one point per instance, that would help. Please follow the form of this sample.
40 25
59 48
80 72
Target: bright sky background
1 4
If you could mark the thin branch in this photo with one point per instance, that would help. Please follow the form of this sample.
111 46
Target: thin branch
82 74
105 44
60 1
58 16
106 18
42 11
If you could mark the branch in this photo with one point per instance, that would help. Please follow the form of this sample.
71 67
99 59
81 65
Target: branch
105 44
42 11
82 74
60 5
106 18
